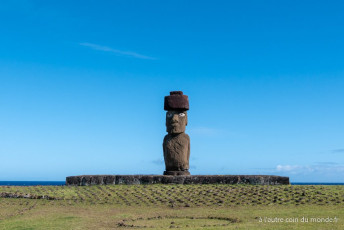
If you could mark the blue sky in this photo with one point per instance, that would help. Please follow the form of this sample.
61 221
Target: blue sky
82 85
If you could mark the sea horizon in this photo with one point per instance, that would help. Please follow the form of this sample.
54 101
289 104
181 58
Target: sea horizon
62 183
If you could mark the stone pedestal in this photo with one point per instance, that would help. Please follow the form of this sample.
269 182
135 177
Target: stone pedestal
182 179
177 173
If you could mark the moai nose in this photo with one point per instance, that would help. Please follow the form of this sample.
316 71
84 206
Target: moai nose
175 117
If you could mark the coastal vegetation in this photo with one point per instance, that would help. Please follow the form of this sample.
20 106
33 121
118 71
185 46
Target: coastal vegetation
214 206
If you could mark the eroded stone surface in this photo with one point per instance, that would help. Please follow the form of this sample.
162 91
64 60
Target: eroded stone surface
176 144
160 179
176 100
176 152
177 173
176 121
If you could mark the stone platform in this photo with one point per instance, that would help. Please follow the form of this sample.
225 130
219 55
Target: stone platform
167 179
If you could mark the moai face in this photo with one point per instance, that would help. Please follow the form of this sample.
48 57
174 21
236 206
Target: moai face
176 121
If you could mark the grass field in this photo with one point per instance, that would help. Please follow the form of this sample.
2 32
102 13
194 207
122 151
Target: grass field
172 206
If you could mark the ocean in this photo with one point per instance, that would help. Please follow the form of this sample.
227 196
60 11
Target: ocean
61 183
31 183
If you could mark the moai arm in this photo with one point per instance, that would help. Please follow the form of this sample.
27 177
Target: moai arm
164 146
188 147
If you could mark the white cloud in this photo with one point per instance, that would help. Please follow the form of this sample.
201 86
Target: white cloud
305 169
287 168
115 51
327 163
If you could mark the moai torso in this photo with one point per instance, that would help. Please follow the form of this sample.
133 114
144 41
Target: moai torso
177 152
176 143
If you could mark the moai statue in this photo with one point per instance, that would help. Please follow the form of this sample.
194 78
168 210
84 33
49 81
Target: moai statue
176 143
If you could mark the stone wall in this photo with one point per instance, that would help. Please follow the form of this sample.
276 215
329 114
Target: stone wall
162 179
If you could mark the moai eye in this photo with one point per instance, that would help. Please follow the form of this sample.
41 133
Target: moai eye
169 114
182 114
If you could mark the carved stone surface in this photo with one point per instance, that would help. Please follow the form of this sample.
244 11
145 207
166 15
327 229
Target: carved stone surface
177 173
176 101
160 179
176 144
176 152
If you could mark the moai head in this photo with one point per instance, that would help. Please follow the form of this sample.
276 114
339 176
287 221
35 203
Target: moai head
176 116
176 120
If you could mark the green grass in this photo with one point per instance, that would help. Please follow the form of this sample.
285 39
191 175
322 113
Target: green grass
170 206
